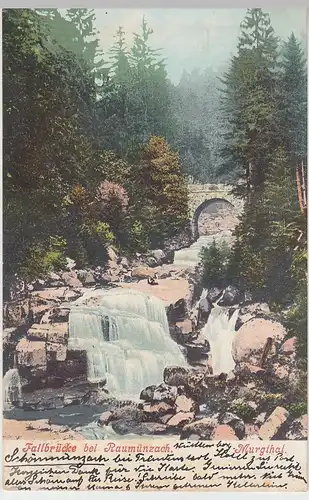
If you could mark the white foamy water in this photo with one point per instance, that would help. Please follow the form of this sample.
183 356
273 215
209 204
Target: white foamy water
126 336
220 333
189 257
12 392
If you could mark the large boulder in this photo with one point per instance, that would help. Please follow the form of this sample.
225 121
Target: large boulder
202 428
224 432
32 355
234 422
251 338
180 419
57 332
71 280
142 273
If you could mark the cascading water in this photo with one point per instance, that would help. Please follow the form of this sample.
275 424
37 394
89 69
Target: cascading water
126 337
220 332
189 257
12 392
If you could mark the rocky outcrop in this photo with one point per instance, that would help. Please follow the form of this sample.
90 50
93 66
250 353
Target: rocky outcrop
251 338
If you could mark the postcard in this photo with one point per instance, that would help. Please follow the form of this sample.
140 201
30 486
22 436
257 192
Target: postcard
155 249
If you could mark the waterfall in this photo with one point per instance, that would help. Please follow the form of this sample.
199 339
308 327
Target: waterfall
220 332
12 393
125 334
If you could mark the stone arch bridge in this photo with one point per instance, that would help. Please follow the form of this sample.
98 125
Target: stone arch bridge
203 195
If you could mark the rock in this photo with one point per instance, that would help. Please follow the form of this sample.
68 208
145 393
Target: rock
251 338
16 313
156 410
57 333
197 352
231 296
185 404
289 346
39 425
158 256
185 327
147 393
142 272
202 428
145 428
86 277
204 309
177 375
214 294
234 422
70 279
224 432
32 355
180 419
105 418
246 372
298 429
273 424
54 280
163 392
56 352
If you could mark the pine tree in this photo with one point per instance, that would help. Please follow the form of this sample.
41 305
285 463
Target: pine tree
249 103
292 113
151 90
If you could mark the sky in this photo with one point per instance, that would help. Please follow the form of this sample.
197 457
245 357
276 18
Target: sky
192 38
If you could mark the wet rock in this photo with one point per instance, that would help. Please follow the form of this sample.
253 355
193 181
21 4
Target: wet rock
231 296
32 355
273 425
204 309
234 422
214 294
298 429
147 393
56 352
202 428
251 338
57 333
180 419
224 432
105 418
196 351
185 327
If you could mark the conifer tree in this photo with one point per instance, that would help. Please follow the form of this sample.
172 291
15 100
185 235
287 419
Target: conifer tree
292 112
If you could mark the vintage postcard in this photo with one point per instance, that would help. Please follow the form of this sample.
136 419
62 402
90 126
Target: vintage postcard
155 249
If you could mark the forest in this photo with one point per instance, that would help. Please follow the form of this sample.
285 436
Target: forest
98 149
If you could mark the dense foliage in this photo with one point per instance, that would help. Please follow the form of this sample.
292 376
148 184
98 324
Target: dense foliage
69 187
265 105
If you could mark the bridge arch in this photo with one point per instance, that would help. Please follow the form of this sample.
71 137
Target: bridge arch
201 208
203 195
